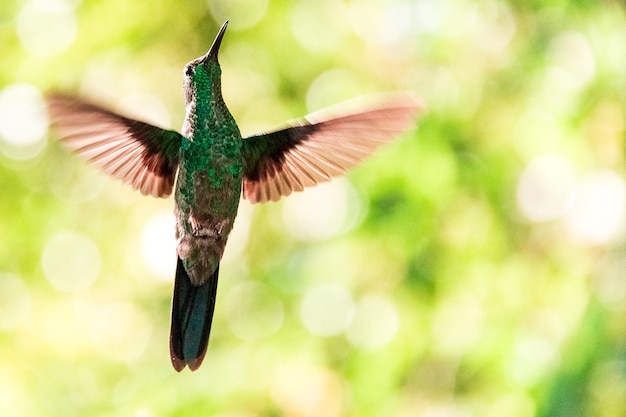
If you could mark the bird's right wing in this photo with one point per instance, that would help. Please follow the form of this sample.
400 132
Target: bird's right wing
321 145
140 154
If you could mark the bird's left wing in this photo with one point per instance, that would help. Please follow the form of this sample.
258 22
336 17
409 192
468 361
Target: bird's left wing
321 145
140 154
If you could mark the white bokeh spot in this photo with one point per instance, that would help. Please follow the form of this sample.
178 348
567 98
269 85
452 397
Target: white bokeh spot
326 310
545 188
23 121
71 262
597 213
46 27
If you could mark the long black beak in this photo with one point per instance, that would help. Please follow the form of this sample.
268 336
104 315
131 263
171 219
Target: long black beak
212 54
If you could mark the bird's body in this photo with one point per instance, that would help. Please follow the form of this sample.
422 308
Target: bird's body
212 165
210 170
208 190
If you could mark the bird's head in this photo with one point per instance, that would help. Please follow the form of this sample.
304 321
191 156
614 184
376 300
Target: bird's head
203 74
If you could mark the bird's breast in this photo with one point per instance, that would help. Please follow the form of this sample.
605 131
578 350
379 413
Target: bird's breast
208 191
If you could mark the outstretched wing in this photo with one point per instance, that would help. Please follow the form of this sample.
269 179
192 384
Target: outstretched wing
321 145
135 152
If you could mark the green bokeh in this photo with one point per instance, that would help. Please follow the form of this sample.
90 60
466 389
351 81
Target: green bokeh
459 302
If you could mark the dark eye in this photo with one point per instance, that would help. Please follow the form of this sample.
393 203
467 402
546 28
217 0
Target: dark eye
189 70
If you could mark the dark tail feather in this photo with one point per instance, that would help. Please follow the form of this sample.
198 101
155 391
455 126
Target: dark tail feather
192 314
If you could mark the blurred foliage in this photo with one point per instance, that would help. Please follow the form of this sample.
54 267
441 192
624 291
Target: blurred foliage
475 267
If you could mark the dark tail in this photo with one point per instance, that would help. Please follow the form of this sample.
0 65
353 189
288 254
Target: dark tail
192 314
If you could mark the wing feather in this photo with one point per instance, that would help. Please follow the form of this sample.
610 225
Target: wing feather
139 154
321 145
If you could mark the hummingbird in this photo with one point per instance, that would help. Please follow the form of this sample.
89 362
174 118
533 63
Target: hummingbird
209 166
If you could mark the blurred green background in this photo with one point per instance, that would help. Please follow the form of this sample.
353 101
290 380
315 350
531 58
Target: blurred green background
475 267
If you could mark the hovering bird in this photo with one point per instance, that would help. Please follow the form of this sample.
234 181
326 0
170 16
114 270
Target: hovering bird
213 165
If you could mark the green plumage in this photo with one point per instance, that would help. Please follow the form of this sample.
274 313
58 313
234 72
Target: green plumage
210 172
